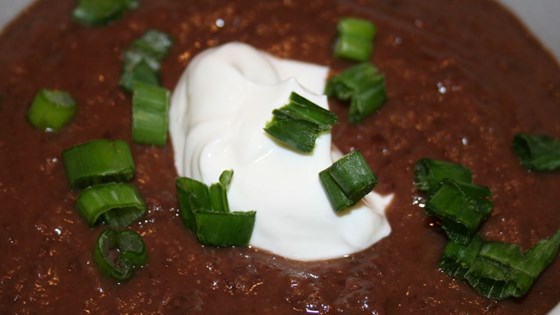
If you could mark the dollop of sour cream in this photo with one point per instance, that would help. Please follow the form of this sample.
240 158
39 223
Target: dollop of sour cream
218 111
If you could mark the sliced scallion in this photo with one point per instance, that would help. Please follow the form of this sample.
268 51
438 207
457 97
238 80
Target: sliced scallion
363 85
205 211
118 253
299 123
150 105
429 173
51 109
348 180
537 152
355 39
119 204
101 12
98 161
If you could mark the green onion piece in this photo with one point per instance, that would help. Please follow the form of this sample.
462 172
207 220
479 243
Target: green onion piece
537 152
142 61
348 180
461 206
150 105
51 109
363 85
118 253
499 270
429 173
355 39
120 204
98 161
299 123
224 229
205 211
101 12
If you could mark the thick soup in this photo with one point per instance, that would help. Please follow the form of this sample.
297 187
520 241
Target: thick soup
462 80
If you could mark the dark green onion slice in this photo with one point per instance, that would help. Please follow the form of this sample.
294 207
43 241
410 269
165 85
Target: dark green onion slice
51 109
120 204
537 152
348 180
224 229
205 211
150 105
355 39
98 161
429 173
118 253
499 270
142 61
299 123
461 207
101 12
363 85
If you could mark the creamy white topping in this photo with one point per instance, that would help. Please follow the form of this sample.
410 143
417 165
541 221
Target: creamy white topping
218 111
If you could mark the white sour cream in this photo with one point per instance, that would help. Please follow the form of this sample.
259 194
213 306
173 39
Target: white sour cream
218 112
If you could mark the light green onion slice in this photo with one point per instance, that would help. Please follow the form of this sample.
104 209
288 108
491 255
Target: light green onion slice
119 204
347 180
101 12
98 161
499 270
150 106
429 173
355 39
363 85
299 123
205 211
142 61
537 152
118 253
51 110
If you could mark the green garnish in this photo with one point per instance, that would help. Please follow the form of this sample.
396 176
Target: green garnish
118 253
101 12
299 123
150 105
499 270
205 211
537 152
355 39
363 85
142 61
120 204
98 161
461 207
348 180
429 173
51 109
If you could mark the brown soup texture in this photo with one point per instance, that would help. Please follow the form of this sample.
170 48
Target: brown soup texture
463 77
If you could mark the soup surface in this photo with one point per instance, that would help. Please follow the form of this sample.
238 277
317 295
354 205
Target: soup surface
461 81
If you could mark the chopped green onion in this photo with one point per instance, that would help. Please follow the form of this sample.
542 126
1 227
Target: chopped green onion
205 211
355 39
150 105
118 253
51 109
98 161
537 152
101 12
499 270
462 207
429 173
120 204
363 85
348 180
142 61
299 123
224 229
